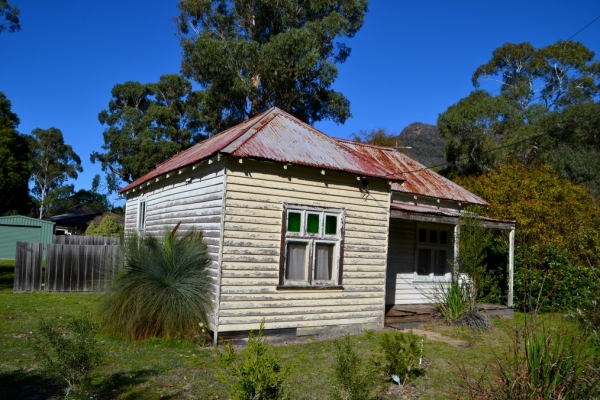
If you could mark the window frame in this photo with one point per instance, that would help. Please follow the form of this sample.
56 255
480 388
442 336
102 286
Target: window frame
434 247
312 239
141 222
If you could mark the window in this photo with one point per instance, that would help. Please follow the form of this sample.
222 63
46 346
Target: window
312 245
142 215
433 250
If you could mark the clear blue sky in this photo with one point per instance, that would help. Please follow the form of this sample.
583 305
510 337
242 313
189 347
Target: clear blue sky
409 62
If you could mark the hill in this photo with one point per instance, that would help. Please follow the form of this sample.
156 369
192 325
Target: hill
426 142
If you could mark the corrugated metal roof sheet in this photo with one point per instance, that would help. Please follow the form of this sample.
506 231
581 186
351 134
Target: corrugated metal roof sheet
277 136
418 179
433 210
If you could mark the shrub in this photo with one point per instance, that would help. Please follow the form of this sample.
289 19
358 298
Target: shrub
401 354
163 289
354 379
541 364
68 348
257 370
454 303
109 226
558 229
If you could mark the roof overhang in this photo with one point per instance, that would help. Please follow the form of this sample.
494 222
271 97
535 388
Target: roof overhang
441 215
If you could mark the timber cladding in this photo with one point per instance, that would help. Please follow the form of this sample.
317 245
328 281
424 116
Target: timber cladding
256 193
194 198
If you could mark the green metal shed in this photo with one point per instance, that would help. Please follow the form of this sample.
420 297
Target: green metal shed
17 228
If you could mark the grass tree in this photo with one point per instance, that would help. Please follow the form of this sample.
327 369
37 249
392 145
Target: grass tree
163 289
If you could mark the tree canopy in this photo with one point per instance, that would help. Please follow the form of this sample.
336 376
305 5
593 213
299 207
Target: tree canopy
250 55
146 125
52 162
546 102
14 163
376 136
10 15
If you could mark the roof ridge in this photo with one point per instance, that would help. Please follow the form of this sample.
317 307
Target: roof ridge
264 116
367 144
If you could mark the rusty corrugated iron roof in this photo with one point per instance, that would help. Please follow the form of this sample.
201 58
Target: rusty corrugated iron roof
439 211
419 179
277 136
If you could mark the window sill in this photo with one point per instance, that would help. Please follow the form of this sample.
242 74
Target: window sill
332 287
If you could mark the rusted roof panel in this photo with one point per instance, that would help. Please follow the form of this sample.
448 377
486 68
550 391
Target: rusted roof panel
441 211
419 179
277 136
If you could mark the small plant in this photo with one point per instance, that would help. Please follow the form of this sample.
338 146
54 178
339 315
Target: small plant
68 348
452 300
401 354
257 370
354 378
541 364
163 289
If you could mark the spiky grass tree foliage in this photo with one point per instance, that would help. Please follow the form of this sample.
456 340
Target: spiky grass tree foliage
163 289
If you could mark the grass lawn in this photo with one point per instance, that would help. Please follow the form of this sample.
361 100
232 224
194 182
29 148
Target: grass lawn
156 369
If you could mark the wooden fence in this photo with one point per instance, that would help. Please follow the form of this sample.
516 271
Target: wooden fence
79 268
86 240
28 267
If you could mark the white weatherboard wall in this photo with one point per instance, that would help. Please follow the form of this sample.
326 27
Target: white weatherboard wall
400 285
197 204
256 193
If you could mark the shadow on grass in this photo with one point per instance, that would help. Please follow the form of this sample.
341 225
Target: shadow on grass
7 275
125 385
29 385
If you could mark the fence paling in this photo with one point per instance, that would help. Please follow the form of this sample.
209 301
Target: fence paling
85 240
28 267
79 267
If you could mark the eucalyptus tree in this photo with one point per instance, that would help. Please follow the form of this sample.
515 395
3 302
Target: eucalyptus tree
250 55
534 84
146 125
52 161
10 14
14 162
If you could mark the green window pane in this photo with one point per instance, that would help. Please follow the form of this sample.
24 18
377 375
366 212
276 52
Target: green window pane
312 223
330 225
293 224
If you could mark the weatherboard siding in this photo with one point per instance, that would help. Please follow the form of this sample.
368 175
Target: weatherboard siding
197 205
400 285
255 196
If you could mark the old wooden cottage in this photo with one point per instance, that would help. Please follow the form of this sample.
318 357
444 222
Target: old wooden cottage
305 230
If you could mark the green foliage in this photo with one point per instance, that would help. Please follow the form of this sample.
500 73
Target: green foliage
453 300
163 289
52 163
474 240
401 353
10 14
376 136
354 378
146 125
251 55
257 370
109 226
64 199
557 240
68 348
542 364
14 168
539 87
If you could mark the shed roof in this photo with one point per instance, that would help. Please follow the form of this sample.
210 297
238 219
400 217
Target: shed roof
419 179
277 136
23 220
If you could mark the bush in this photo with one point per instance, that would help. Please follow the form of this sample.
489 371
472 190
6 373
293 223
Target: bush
68 348
557 236
401 354
354 379
163 289
257 371
109 226
541 364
